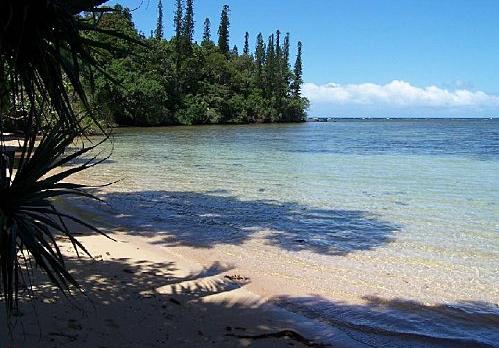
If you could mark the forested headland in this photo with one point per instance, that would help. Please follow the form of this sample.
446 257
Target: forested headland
159 81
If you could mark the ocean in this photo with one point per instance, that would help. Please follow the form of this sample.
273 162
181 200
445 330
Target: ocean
385 228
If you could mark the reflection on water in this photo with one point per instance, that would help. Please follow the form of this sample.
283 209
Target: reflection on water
396 209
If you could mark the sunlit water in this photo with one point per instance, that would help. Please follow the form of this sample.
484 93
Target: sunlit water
393 225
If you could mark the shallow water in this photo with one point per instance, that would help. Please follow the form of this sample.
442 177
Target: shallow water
391 225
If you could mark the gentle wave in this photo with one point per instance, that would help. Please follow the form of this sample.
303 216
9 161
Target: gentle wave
441 325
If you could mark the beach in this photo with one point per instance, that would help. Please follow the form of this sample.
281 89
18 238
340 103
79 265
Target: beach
138 294
282 175
321 229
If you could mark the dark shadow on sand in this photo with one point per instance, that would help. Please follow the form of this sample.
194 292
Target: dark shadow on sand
208 219
140 304
126 296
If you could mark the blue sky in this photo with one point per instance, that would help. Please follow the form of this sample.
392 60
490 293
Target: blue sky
381 58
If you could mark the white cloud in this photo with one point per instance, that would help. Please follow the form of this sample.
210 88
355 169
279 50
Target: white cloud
396 93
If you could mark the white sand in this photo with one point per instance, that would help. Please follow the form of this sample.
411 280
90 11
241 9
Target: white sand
139 294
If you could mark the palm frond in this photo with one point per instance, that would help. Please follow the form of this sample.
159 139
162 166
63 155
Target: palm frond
43 52
29 221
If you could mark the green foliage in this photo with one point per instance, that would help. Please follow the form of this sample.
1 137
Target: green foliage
259 60
178 20
159 26
29 220
235 51
45 47
286 51
246 44
179 82
206 32
298 72
223 30
189 21
270 68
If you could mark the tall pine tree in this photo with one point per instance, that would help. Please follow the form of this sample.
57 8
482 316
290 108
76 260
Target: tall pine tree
159 26
280 70
261 85
285 50
286 73
235 51
278 45
188 25
270 62
259 60
246 44
223 30
178 20
206 32
298 73
179 48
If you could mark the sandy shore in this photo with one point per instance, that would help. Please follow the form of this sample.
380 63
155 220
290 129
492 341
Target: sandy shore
144 289
138 294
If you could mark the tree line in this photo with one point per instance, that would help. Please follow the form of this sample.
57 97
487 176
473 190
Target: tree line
179 81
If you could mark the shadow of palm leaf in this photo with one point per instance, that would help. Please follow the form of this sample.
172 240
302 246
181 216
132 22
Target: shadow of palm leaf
142 304
147 304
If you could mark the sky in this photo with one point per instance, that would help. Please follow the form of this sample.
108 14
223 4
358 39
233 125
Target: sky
372 58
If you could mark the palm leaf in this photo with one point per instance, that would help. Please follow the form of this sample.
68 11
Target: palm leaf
29 221
44 49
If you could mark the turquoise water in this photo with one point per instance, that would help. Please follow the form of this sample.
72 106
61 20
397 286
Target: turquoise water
387 226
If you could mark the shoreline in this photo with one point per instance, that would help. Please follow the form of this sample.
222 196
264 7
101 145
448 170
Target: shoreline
309 120
324 297
133 282
190 296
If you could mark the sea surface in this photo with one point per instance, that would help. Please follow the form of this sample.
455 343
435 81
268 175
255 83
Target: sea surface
385 228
